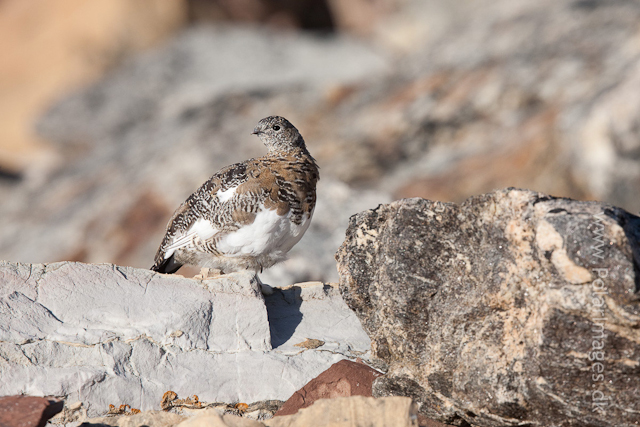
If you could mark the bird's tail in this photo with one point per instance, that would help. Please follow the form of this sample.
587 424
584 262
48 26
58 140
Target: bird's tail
167 266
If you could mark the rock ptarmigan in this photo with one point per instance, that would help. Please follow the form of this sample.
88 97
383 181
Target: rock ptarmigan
250 214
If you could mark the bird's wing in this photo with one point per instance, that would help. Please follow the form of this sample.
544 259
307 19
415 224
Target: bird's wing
215 209
201 229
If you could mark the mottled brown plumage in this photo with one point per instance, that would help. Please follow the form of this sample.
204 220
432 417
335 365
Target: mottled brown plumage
249 214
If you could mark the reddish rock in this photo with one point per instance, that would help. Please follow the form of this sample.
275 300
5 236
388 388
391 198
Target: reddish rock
29 411
342 379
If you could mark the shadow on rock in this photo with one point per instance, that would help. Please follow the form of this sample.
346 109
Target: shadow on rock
283 311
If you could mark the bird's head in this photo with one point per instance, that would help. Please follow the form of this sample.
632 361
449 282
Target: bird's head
278 134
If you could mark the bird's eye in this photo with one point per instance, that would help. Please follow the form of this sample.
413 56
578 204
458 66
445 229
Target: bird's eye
275 127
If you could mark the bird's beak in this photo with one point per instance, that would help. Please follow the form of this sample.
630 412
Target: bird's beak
256 131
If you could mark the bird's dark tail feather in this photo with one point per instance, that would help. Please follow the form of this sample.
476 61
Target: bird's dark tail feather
168 266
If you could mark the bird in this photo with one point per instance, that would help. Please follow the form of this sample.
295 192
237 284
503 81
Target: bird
248 215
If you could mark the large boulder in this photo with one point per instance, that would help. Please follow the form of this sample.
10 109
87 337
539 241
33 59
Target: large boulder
108 335
513 308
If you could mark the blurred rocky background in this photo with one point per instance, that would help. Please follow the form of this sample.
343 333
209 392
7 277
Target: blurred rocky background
113 111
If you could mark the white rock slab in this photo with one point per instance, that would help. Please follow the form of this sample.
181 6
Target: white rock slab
103 334
89 304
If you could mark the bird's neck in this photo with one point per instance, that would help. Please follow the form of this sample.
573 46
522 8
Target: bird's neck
299 153
288 150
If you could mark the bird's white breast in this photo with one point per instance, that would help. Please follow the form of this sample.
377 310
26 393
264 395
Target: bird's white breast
269 233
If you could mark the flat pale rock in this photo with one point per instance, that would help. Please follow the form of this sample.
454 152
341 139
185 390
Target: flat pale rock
104 334
86 304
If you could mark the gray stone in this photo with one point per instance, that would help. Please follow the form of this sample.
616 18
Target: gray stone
104 334
513 308
87 304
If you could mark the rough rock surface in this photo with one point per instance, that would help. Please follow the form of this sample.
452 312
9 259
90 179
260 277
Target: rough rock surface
343 379
27 411
104 334
89 304
513 308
